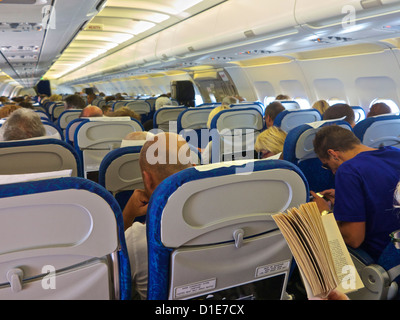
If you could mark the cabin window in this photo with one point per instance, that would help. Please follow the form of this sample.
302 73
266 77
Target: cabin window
304 104
333 101
393 105
268 100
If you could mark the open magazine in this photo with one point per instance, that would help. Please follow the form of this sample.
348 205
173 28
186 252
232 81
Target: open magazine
319 250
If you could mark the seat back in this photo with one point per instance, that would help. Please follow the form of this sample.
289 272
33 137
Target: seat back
69 134
299 150
55 110
379 131
191 122
359 114
256 105
290 105
52 129
209 229
234 132
120 173
38 155
139 106
289 119
62 239
95 137
118 104
164 116
66 117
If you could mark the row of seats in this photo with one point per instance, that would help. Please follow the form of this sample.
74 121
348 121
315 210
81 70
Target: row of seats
201 230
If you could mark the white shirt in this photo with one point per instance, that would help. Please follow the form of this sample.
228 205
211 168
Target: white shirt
136 242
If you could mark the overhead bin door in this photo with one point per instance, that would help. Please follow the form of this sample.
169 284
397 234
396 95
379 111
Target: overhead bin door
320 14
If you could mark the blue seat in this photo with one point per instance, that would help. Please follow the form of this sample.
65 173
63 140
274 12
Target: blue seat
299 150
257 105
234 132
120 173
290 105
95 137
289 119
66 117
210 228
379 131
359 114
381 277
165 115
192 123
38 155
62 239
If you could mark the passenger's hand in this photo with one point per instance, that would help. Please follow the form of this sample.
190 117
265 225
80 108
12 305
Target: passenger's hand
333 295
135 207
329 195
321 202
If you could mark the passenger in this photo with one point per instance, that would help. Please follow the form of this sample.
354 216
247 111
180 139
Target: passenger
90 98
271 111
91 111
365 179
109 98
282 97
7 110
55 98
26 105
23 124
378 109
74 102
339 111
240 98
124 112
107 109
270 143
227 101
321 106
162 101
171 145
3 100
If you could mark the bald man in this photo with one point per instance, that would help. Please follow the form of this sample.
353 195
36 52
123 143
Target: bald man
160 157
91 111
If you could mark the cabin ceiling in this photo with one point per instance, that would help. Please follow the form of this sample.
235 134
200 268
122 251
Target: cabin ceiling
122 23
75 41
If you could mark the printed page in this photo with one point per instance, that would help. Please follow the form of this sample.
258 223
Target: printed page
349 279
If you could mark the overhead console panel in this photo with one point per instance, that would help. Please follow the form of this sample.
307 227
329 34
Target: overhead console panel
354 20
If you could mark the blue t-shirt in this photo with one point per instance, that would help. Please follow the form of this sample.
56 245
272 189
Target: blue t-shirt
364 192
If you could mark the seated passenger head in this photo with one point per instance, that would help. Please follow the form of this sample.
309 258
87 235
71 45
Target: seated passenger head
162 101
321 106
74 102
91 111
338 111
161 156
271 111
270 142
331 139
124 112
23 124
214 112
138 135
229 100
282 97
378 109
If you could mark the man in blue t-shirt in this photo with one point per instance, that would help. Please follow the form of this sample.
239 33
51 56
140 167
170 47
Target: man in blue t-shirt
365 182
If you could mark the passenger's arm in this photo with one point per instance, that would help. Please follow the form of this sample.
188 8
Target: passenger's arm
353 233
135 207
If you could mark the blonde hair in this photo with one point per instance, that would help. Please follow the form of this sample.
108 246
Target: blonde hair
271 139
214 112
321 106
